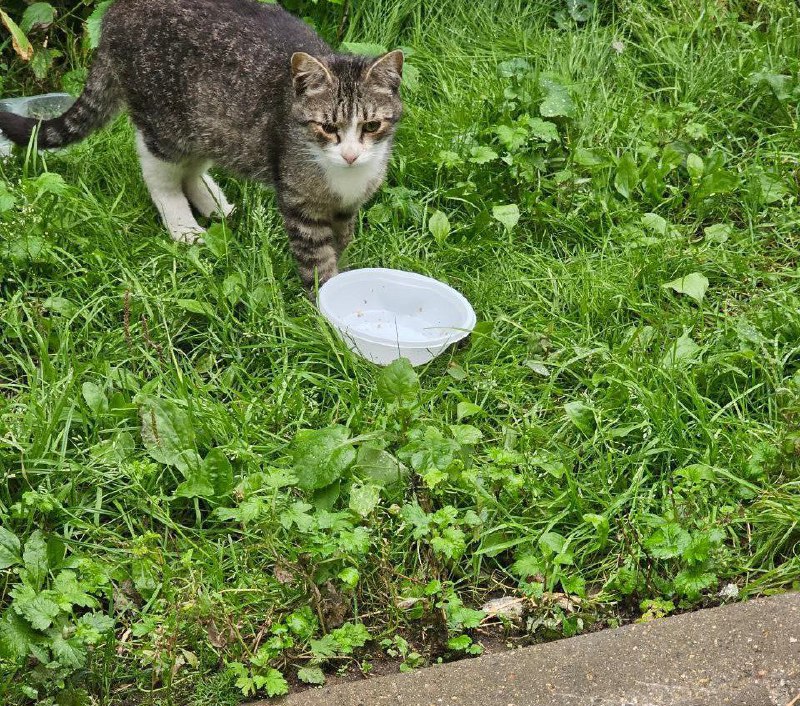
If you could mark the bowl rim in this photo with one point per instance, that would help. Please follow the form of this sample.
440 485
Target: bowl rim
455 333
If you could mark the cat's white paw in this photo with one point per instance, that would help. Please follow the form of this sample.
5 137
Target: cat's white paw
207 197
226 210
188 235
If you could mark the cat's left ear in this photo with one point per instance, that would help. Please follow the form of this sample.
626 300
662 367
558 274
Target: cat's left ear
309 74
387 70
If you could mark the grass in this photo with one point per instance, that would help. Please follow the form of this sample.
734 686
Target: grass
603 446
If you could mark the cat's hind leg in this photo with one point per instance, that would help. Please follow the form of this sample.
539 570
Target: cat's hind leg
203 192
165 183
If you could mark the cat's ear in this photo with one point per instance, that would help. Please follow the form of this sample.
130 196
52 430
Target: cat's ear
386 70
309 74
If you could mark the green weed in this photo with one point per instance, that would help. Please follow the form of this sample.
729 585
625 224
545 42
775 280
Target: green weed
207 496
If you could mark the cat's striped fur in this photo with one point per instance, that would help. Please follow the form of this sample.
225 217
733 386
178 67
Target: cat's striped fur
248 87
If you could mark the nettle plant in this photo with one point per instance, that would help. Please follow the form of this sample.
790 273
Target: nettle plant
321 511
502 169
529 156
296 634
36 32
328 508
25 213
54 619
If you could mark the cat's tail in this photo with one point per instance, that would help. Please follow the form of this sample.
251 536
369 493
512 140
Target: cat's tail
99 102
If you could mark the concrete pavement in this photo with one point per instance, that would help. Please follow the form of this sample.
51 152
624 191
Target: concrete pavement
745 654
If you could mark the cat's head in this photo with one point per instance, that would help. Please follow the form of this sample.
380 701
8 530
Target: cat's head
348 106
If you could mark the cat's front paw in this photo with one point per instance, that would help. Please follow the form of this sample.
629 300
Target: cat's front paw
225 210
188 235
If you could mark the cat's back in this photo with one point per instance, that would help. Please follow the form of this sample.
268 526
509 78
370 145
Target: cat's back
238 27
207 77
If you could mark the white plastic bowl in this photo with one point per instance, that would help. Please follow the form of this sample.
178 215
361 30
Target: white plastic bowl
388 314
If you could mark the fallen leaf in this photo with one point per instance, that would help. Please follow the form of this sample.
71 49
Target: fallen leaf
505 607
214 636
19 41
283 575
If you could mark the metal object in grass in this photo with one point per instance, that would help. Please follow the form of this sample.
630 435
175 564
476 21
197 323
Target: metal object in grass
42 107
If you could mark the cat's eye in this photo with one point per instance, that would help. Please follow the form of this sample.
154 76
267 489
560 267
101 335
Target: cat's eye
329 128
372 126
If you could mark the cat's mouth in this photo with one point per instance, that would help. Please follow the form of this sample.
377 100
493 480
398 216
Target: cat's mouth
358 163
333 162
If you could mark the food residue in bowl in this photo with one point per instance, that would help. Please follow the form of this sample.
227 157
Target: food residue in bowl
386 324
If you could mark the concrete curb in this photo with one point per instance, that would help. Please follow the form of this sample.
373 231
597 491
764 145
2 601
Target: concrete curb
746 654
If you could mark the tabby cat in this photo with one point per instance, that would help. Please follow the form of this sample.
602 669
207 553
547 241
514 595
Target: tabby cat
248 87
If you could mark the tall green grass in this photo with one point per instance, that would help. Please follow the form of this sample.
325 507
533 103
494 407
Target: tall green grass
638 450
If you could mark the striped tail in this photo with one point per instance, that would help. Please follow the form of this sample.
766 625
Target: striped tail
98 103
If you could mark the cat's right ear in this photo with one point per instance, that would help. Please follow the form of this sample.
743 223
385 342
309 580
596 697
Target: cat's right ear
309 74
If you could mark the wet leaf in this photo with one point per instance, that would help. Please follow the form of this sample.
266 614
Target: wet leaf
683 351
668 541
95 23
167 431
195 307
557 100
467 409
380 467
466 434
718 233
655 223
772 188
95 398
627 176
508 215
693 285
697 473
513 67
16 636
35 560
482 154
695 166
511 137
7 199
581 10
311 675
589 157
719 181
398 383
10 549
321 456
778 83
582 416
38 16
364 499
600 524
439 226
543 130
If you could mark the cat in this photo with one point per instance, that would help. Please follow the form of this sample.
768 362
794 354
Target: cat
252 89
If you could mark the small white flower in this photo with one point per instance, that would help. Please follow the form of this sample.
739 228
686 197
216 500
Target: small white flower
618 46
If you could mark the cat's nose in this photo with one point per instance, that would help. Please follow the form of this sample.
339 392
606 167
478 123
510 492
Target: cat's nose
349 156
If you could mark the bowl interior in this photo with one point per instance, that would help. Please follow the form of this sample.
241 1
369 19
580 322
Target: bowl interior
48 106
43 107
391 306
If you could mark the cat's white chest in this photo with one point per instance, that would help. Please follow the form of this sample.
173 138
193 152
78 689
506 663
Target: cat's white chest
354 184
